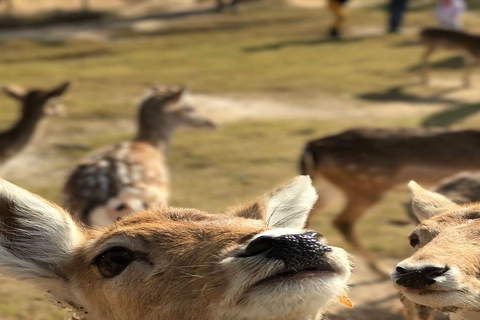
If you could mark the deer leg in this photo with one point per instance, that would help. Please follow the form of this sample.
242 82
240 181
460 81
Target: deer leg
415 311
356 207
425 65
470 64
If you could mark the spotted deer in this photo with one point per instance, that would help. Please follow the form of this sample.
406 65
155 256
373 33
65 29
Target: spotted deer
132 176
435 38
254 262
442 273
36 105
366 163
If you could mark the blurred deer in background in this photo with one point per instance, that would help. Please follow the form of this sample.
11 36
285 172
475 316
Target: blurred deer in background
443 272
132 176
255 262
36 105
434 39
366 163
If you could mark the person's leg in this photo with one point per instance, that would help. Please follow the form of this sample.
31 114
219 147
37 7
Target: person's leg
338 10
397 8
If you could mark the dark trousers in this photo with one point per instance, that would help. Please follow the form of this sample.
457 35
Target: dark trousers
397 9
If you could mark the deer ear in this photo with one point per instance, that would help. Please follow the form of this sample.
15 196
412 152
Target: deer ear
427 204
14 92
36 237
60 90
286 207
175 96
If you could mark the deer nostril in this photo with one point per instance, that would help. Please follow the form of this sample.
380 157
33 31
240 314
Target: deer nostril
258 246
435 272
400 270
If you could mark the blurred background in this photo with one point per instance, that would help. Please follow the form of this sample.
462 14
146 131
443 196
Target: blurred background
268 71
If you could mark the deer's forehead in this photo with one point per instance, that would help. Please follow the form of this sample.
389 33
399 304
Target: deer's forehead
165 227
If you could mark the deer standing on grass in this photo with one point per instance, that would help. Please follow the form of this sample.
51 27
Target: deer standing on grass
434 39
36 105
255 262
443 272
132 176
366 163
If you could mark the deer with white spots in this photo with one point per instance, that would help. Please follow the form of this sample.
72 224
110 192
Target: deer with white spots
254 262
132 176
367 163
36 106
443 272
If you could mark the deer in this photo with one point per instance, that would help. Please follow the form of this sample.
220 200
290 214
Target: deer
132 176
256 261
435 38
36 106
442 273
366 163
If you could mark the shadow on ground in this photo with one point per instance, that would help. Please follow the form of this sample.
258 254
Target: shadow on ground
448 117
302 43
400 94
51 18
451 63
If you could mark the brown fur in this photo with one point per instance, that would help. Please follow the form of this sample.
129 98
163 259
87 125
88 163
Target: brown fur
35 106
366 163
131 176
434 39
447 235
186 264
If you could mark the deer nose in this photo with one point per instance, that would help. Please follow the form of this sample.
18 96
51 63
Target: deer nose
297 251
419 278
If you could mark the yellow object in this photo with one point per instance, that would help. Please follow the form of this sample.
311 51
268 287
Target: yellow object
345 300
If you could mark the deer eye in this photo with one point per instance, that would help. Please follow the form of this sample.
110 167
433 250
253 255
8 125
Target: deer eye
113 261
414 240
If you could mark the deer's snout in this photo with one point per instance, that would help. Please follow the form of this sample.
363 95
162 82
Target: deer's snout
418 278
297 251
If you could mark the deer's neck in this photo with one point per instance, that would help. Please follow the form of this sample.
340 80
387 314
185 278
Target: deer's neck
15 139
159 135
465 315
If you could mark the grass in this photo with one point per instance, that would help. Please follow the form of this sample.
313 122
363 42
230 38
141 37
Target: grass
268 50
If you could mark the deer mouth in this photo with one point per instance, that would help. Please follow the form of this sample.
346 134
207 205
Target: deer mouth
287 275
295 275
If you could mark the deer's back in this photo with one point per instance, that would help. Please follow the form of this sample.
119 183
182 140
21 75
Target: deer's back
135 167
451 39
392 148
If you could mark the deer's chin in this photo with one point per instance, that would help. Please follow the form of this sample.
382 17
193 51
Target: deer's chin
301 293
441 299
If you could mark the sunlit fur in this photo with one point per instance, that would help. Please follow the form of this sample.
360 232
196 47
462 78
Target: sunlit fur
449 236
187 263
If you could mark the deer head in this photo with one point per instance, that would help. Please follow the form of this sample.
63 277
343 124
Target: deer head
255 262
39 102
163 111
443 272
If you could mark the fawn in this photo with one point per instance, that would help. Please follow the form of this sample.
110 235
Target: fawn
443 272
255 262
132 176
366 163
435 38
36 104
